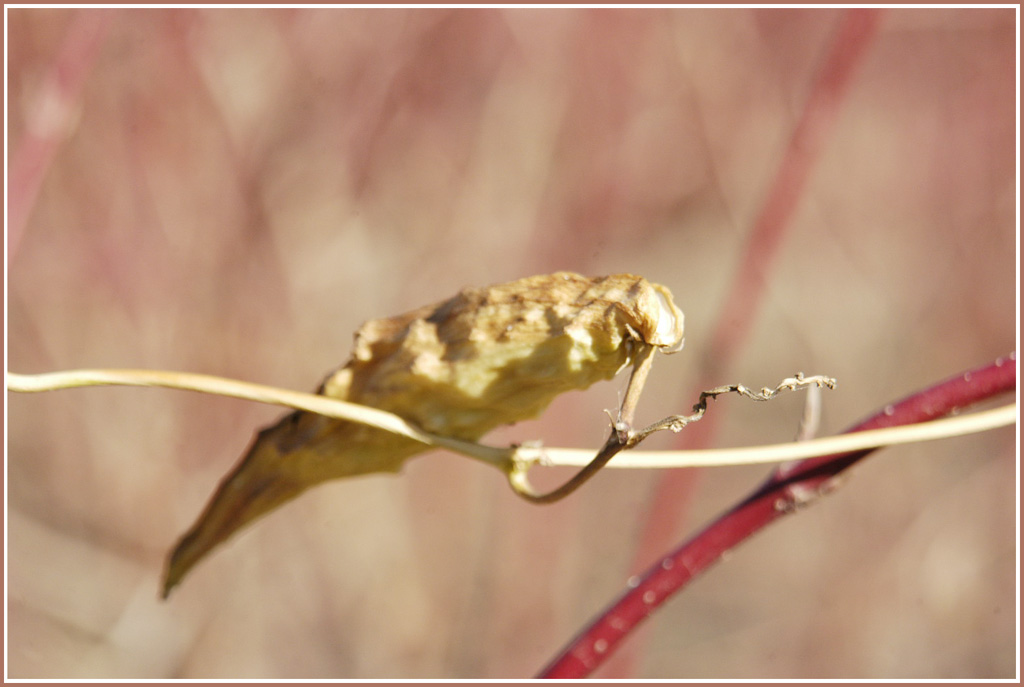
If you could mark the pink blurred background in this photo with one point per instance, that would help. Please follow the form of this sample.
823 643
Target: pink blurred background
235 191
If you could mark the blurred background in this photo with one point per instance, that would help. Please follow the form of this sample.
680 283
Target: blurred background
234 192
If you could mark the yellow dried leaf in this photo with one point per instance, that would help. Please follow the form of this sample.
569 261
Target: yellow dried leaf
459 368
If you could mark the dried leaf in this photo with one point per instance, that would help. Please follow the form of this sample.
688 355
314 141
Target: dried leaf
459 368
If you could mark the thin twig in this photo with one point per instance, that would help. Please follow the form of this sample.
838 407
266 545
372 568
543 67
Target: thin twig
208 384
523 456
677 422
959 425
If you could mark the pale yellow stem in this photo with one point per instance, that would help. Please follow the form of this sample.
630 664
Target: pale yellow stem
503 458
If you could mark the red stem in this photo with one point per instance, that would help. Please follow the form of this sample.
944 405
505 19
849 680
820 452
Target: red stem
786 488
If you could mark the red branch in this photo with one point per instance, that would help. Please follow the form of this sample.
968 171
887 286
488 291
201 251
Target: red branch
785 489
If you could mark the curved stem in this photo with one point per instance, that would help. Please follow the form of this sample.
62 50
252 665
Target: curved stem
517 478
